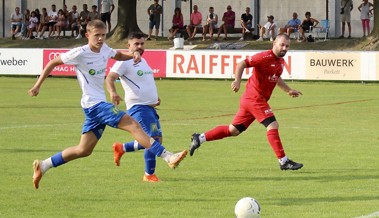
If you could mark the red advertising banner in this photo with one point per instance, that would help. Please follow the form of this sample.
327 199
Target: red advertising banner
155 58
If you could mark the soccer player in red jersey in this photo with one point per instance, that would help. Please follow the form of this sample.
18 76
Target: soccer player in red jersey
268 67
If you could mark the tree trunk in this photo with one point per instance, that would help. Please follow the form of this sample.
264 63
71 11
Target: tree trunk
126 21
375 31
372 42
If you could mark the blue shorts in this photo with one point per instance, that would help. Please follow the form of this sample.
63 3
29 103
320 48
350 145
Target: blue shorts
155 23
148 118
100 115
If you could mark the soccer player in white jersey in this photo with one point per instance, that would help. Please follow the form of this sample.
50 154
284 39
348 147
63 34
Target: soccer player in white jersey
90 63
141 98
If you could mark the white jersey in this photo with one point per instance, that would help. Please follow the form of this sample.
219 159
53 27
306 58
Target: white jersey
365 11
90 68
106 6
137 81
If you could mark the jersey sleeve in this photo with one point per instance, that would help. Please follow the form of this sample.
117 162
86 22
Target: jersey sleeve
253 61
118 68
108 51
73 56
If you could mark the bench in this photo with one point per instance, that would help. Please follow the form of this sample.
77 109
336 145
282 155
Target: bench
183 32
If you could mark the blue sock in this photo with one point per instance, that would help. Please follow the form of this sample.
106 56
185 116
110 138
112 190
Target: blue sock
156 148
129 146
150 162
57 159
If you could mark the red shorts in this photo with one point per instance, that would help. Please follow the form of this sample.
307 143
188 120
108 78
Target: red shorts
250 110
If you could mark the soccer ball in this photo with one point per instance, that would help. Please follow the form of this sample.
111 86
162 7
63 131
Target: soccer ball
247 208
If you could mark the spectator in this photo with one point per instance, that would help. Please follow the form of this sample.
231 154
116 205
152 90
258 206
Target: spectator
38 14
73 21
16 22
292 25
25 23
229 19
211 25
65 11
366 9
83 20
53 19
94 14
195 22
177 23
346 7
306 25
33 23
106 8
246 22
269 30
61 23
154 11
43 24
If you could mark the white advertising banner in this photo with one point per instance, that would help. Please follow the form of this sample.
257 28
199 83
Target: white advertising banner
21 61
221 64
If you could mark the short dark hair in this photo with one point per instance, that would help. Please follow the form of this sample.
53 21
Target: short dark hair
136 35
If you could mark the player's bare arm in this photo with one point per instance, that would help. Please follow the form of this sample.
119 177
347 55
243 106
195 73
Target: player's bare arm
123 56
45 73
291 92
236 84
115 97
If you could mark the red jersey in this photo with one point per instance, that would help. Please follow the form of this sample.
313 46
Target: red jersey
267 70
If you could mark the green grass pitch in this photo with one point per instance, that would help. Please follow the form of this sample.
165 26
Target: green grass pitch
332 129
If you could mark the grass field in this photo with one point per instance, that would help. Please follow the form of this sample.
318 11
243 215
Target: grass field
332 129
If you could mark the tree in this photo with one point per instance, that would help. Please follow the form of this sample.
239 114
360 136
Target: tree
373 39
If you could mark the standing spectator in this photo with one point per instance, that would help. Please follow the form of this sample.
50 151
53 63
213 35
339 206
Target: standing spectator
33 23
229 19
346 7
269 30
268 68
94 14
83 20
292 25
43 24
246 22
211 24
366 9
73 21
106 8
177 23
61 23
306 25
154 12
195 22
53 19
16 22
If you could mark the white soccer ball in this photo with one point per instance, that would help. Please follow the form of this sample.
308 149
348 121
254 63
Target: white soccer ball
247 208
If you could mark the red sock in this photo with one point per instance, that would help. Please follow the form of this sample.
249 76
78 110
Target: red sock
276 144
216 133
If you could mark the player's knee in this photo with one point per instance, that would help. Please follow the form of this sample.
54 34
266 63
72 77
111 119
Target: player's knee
270 122
235 130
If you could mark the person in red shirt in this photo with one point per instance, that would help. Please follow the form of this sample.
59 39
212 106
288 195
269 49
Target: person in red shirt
268 67
229 19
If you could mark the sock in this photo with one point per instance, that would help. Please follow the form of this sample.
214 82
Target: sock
202 138
150 162
46 165
283 160
276 144
166 155
57 159
156 148
132 146
217 133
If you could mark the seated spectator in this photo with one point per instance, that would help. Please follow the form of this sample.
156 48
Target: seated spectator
33 22
177 23
269 30
25 23
246 22
53 17
229 19
306 25
43 24
61 23
94 14
16 22
195 23
292 25
73 16
83 20
211 24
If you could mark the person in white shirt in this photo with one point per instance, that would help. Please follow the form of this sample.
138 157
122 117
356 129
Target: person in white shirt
16 22
269 30
141 98
53 19
106 10
90 65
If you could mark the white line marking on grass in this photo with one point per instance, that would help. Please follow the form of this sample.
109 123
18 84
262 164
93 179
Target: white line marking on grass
372 215
36 126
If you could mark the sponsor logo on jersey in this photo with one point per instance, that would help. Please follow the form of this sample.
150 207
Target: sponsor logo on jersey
93 72
141 73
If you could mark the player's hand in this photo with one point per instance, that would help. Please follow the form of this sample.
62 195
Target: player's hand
33 91
116 98
294 93
136 57
235 86
157 104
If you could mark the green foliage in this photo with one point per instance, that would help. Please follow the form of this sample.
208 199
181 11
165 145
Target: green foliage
332 129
